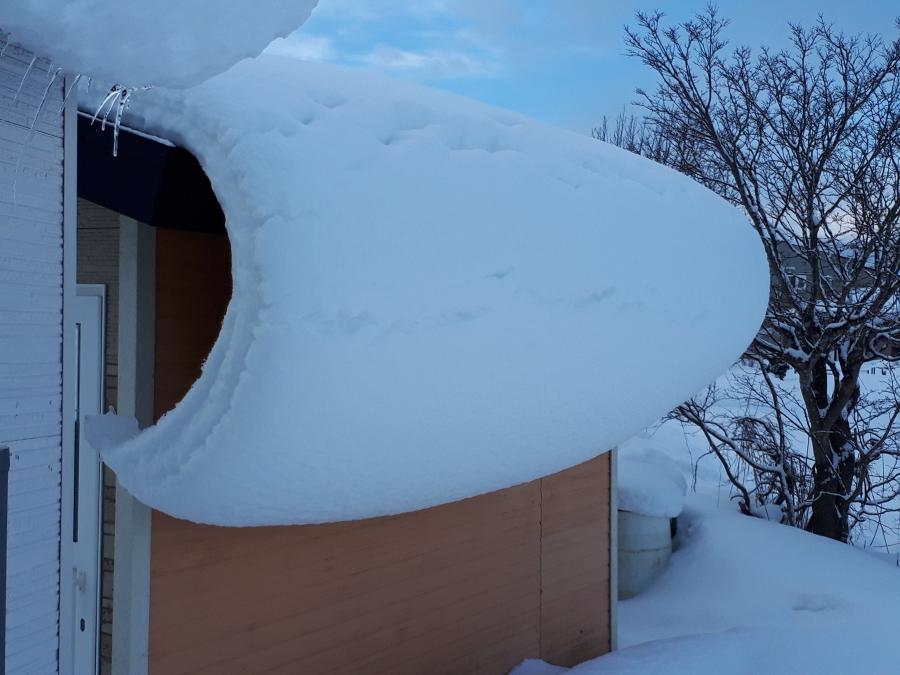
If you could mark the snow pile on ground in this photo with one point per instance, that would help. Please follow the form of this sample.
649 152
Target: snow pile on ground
433 299
743 595
649 482
173 43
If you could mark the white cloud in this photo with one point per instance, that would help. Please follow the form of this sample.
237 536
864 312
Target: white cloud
305 47
366 10
434 40
432 63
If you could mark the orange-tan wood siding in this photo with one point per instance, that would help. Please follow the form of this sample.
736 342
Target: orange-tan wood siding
193 286
470 587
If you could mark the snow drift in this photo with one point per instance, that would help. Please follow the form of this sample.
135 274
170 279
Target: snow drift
433 299
173 43
744 596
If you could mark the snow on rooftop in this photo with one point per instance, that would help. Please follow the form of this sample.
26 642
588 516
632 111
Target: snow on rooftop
433 299
173 43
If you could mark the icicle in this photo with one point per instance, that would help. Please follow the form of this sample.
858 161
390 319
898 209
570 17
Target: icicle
120 109
5 45
70 90
24 77
113 93
119 98
21 153
44 97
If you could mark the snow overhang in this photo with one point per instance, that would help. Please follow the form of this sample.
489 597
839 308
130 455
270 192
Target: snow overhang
433 299
171 43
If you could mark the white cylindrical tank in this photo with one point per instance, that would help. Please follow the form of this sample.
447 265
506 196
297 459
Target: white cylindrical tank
645 546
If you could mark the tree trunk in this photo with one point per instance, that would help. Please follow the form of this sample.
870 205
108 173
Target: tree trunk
833 470
830 511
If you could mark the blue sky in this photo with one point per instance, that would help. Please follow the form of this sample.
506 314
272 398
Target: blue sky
561 61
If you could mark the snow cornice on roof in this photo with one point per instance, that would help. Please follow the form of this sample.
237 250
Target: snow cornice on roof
138 43
433 299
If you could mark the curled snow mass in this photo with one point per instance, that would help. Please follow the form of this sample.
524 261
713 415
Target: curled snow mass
174 43
433 299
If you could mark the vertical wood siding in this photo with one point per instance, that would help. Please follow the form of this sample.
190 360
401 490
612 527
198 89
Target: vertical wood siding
470 587
193 286
575 560
98 263
31 230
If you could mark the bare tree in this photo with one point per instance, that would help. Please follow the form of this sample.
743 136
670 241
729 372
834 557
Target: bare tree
634 134
806 140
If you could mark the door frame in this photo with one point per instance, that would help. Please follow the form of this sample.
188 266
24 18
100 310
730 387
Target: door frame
86 496
137 345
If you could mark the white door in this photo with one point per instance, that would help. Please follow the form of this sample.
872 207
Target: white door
86 522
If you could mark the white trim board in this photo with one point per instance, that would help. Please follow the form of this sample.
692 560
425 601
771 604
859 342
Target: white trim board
70 214
90 315
613 549
131 576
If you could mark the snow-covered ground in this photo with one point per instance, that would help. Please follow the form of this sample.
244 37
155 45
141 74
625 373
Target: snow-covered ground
742 594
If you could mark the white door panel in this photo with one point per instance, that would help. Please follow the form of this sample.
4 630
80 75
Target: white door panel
86 529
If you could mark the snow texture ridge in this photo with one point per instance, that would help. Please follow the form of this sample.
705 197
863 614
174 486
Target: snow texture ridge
433 299
135 43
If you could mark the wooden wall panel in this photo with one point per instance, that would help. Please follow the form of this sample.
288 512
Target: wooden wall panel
470 587
411 593
98 263
193 286
575 531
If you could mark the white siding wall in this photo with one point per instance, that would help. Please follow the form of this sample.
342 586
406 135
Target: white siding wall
31 232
